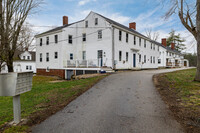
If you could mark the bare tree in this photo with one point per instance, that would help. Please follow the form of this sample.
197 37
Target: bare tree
189 14
152 35
26 38
13 14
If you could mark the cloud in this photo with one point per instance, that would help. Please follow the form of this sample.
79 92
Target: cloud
83 2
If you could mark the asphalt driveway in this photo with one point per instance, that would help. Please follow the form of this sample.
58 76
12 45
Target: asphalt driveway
125 102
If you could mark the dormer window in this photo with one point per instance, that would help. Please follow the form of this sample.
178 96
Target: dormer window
86 24
96 21
28 57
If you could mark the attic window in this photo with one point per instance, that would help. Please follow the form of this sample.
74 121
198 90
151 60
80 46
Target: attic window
28 57
96 21
86 24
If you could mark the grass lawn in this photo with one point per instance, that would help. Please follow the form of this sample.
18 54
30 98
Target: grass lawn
44 99
182 95
185 86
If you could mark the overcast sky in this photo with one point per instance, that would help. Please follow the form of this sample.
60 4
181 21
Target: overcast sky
146 13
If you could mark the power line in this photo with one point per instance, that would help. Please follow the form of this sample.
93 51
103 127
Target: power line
76 36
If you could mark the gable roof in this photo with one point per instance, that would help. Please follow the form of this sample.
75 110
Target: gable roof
56 29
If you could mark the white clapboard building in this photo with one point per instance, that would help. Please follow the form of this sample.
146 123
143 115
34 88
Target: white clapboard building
24 61
97 43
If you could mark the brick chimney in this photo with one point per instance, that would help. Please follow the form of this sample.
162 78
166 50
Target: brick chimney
172 46
132 25
164 42
65 20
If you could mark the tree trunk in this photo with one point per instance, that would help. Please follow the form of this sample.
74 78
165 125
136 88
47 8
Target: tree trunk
10 63
197 77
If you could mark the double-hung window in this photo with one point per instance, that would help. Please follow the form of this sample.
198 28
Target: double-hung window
96 21
126 37
40 41
84 37
120 55
126 56
71 56
56 55
56 38
120 35
70 39
47 41
40 57
47 57
99 34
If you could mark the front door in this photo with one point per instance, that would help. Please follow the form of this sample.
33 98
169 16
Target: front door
100 58
134 60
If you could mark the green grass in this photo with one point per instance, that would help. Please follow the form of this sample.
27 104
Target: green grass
44 93
184 85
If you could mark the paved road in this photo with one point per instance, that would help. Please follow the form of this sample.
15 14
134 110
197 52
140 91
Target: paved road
125 102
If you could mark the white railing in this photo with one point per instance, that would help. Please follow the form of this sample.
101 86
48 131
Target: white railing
95 63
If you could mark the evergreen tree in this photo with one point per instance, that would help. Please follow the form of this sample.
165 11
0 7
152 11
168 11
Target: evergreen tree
176 38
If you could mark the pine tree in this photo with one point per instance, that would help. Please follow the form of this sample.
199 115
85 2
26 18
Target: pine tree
176 38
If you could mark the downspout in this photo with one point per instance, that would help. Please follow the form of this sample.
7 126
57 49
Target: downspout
113 48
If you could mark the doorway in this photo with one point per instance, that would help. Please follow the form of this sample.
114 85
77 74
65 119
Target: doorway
100 58
134 60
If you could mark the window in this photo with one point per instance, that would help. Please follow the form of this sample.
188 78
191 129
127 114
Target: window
84 55
84 37
24 57
126 56
126 37
47 69
30 68
145 45
158 48
159 61
47 40
96 21
40 41
47 57
28 57
154 60
70 39
40 57
26 67
151 46
56 55
140 42
144 58
151 59
56 38
86 24
140 58
120 35
100 34
71 56
120 55
134 40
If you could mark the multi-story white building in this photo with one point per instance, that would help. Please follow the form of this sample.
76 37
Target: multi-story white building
93 44
24 61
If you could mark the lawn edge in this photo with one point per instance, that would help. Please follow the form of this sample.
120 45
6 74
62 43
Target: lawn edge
32 117
173 103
